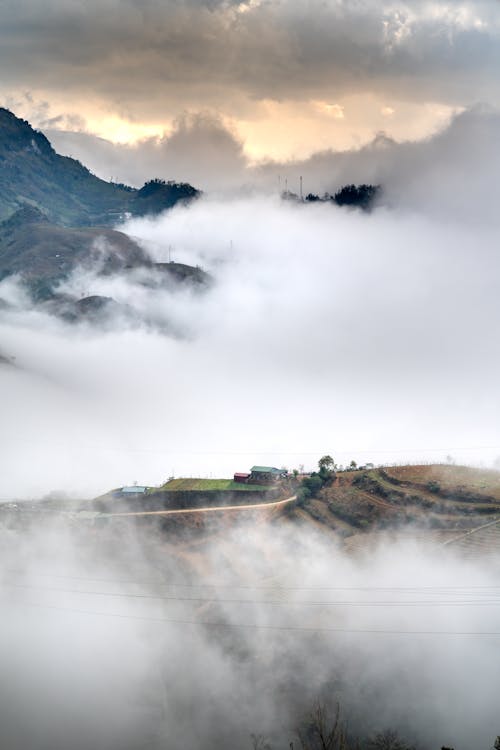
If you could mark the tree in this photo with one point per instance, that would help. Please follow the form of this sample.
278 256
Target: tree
259 742
361 196
496 744
326 462
321 731
387 740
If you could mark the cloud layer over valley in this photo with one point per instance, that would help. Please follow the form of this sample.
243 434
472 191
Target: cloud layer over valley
369 336
451 174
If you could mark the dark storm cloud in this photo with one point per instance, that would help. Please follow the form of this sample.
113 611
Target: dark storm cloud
205 52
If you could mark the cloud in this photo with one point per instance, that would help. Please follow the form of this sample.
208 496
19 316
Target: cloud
200 55
202 150
119 657
367 336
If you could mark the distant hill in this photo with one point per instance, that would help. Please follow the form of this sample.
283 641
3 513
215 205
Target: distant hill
44 253
32 173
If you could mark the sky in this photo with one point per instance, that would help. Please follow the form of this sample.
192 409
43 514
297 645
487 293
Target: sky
285 78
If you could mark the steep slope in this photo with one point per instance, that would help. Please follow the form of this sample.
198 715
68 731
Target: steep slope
66 191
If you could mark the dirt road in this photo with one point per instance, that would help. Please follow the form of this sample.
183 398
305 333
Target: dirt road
210 509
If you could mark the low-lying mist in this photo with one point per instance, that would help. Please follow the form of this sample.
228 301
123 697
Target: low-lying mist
117 637
370 336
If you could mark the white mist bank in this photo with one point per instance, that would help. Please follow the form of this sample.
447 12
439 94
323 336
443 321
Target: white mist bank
103 643
365 336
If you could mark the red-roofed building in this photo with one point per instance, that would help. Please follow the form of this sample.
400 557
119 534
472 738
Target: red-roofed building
241 478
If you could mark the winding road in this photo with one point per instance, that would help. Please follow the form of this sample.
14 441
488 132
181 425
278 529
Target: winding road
209 509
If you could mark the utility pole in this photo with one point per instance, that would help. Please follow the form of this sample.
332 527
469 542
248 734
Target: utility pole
301 195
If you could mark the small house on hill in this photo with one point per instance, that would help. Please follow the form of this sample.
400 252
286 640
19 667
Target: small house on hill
133 490
241 477
266 474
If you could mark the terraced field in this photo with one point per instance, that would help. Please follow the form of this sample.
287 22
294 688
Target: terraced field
439 502
483 541
458 480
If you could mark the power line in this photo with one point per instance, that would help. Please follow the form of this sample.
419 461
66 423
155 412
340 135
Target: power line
254 626
278 451
254 587
269 602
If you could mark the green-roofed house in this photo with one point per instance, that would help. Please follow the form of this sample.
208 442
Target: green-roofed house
266 475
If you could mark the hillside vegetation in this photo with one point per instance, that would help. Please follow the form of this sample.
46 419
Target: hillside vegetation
437 498
43 253
31 172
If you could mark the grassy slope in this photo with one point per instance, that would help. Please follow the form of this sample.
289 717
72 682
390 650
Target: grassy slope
210 485
483 482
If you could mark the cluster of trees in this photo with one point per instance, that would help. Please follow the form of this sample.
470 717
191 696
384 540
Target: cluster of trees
311 485
360 196
157 185
327 470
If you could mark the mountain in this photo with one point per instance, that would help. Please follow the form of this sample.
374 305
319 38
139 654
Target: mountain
32 173
44 253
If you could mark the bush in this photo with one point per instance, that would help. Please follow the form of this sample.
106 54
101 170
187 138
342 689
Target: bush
433 486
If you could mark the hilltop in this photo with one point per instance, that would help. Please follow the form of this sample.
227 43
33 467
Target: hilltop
31 172
437 502
433 502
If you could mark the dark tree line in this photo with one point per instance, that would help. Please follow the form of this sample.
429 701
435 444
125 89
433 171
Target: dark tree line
359 196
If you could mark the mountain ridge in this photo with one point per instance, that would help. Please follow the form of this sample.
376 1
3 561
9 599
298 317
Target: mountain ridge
32 173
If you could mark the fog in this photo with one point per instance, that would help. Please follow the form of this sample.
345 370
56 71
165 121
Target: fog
449 175
368 336
116 637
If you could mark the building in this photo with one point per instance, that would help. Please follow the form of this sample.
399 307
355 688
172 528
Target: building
133 490
241 477
266 474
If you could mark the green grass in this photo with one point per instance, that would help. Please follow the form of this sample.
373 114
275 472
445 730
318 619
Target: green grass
210 485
